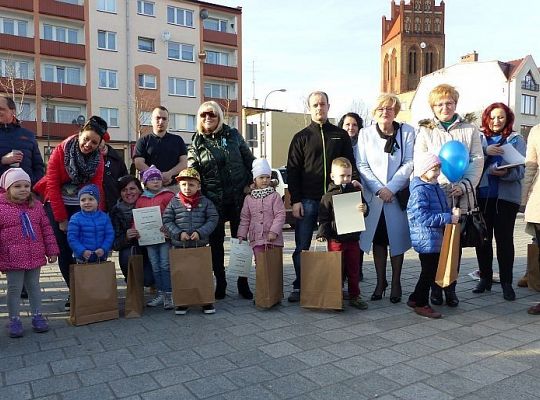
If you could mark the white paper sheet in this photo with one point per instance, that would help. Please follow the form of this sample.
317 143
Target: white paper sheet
511 155
148 222
240 258
348 218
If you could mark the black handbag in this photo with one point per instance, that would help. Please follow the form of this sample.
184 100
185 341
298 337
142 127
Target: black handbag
473 225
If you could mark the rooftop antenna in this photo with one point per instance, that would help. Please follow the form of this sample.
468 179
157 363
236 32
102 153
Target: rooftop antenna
255 100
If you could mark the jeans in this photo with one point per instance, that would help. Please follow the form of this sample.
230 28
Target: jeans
158 254
429 263
303 233
123 258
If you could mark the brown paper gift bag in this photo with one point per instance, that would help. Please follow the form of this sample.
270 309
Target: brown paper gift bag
191 276
93 293
135 287
447 270
533 269
269 277
320 279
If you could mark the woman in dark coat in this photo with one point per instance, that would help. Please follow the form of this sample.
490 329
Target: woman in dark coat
115 168
223 159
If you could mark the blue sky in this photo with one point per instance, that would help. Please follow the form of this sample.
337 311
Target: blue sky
303 45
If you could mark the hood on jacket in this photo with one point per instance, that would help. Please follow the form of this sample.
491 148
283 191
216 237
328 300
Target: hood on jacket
432 123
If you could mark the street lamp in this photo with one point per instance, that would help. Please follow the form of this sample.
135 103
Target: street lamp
263 134
422 47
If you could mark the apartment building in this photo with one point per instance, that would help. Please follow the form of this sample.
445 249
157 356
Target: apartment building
70 59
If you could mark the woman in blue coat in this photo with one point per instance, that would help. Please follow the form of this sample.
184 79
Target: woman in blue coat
385 154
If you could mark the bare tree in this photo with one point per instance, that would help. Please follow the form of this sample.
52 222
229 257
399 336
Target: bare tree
359 107
144 105
14 86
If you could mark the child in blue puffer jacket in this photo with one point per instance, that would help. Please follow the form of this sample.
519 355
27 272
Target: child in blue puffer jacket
90 233
428 213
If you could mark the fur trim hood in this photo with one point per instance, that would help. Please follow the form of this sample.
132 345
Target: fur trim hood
431 123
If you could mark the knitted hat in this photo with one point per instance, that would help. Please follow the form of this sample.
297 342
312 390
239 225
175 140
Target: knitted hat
424 162
260 167
150 173
91 189
188 173
11 176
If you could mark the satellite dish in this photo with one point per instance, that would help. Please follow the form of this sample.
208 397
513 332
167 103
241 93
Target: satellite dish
204 13
80 120
165 36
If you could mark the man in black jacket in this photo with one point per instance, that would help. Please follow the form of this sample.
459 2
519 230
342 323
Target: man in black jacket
311 153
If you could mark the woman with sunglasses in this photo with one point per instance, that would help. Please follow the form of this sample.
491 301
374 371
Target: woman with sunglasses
223 159
74 163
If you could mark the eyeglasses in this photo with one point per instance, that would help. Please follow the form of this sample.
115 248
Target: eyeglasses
448 104
382 109
209 114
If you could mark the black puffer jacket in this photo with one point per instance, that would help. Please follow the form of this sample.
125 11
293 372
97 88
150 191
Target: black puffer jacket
223 160
114 169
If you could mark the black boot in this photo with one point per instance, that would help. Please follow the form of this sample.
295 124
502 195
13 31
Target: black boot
451 297
483 285
243 288
221 288
508 292
436 295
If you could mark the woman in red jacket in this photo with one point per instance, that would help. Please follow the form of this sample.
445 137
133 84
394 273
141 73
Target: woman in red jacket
74 163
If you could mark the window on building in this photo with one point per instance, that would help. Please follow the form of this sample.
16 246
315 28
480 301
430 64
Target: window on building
428 63
412 62
215 24
217 57
108 79
76 2
106 5
181 87
145 118
14 69
147 81
11 26
24 112
529 83
110 115
62 114
62 74
146 8
106 40
218 90
528 104
60 34
182 122
181 51
251 136
179 16
146 44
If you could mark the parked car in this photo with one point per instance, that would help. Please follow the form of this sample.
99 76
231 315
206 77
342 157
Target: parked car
280 175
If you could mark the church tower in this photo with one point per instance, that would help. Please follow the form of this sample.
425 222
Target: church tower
412 44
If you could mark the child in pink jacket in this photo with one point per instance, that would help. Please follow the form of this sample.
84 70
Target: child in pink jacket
26 244
263 212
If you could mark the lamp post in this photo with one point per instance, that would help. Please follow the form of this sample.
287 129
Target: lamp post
263 134
422 47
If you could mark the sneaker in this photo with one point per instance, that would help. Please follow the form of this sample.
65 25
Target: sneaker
167 301
156 301
67 305
427 311
209 309
359 303
294 297
39 324
180 310
15 329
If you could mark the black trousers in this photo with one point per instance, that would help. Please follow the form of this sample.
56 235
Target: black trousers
232 214
500 217
428 263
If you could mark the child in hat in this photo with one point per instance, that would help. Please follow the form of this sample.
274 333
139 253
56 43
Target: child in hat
90 233
26 244
190 218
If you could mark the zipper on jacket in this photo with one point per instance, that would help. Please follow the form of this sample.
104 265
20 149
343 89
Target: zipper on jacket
324 158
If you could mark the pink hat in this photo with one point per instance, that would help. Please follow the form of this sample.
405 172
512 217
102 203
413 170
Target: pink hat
11 176
424 162
151 172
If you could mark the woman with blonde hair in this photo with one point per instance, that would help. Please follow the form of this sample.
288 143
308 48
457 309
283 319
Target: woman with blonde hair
222 158
384 159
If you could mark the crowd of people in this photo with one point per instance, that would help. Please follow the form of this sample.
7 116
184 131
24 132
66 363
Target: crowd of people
81 207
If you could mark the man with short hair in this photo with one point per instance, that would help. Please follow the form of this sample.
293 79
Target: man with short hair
18 146
166 151
311 153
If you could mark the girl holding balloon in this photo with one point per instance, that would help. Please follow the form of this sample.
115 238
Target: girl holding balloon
458 163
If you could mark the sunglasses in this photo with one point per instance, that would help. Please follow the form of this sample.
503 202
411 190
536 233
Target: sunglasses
207 114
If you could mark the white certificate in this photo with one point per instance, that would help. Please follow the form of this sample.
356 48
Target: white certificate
148 222
348 218
240 257
511 155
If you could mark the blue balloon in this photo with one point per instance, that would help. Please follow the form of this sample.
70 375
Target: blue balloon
454 160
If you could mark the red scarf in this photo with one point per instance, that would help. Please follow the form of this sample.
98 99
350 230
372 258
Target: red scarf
190 202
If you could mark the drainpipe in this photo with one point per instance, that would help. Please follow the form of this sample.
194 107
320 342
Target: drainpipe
129 85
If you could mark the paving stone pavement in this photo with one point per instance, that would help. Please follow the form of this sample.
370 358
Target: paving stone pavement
487 348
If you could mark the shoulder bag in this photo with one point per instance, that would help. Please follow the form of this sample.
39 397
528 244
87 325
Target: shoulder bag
473 226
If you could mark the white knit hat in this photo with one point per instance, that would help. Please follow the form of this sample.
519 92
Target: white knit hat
260 167
11 176
424 162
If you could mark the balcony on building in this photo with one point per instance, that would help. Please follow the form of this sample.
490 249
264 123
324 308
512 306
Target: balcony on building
61 49
226 104
26 5
58 130
63 90
529 85
16 43
226 38
220 71
61 9
19 86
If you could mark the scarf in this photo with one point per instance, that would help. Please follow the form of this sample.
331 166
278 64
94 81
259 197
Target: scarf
27 228
354 140
391 143
126 210
262 193
80 168
190 202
